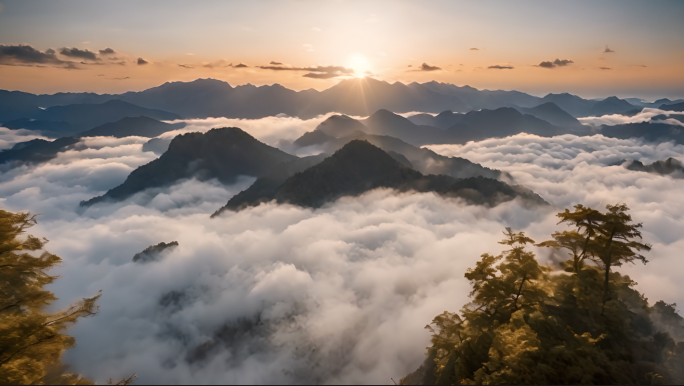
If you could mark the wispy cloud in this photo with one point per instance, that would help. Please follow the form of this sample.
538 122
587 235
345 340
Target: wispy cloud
107 51
498 67
317 72
608 50
555 63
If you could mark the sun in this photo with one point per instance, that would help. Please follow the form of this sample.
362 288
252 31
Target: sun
360 64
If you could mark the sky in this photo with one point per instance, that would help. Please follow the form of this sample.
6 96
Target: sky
592 49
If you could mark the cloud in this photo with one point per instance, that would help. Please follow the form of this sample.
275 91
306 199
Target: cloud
321 75
76 53
274 63
474 49
498 67
284 294
107 51
185 66
555 63
318 72
646 115
218 63
608 50
240 65
142 61
427 67
605 68
22 54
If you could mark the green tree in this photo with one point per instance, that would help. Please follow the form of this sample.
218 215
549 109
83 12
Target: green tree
32 340
528 325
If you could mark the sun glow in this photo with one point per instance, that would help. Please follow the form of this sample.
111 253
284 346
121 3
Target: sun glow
360 64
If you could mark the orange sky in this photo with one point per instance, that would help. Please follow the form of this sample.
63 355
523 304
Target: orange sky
185 41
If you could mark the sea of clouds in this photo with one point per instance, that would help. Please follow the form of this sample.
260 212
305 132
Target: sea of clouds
282 294
645 115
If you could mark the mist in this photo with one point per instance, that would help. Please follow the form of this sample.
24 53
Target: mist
283 294
646 115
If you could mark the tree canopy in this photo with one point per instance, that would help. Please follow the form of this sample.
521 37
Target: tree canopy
527 324
32 340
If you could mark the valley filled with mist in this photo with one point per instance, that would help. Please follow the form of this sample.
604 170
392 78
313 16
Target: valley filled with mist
262 235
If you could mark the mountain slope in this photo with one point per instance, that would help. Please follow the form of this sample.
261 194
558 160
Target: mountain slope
609 106
359 167
574 105
47 128
672 107
481 99
88 116
223 153
651 132
502 122
35 151
132 126
670 166
384 122
550 112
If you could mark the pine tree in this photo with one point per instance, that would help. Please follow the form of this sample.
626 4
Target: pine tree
32 340
528 325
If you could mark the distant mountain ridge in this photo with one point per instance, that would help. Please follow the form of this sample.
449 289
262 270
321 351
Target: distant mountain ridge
472 126
204 98
132 126
359 167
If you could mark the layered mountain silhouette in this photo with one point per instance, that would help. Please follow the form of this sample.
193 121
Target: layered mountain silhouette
609 106
35 151
574 105
472 126
443 120
502 122
423 160
224 154
132 126
649 131
670 166
359 167
551 113
49 129
672 107
204 98
480 99
88 116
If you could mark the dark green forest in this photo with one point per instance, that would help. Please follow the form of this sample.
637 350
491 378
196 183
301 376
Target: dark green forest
585 324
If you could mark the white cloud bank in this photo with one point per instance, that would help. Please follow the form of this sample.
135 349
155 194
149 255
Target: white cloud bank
646 115
281 294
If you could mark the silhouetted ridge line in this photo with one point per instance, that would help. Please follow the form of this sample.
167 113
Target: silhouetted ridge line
224 154
359 167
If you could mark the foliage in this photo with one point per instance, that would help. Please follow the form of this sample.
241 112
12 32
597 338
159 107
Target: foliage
32 340
529 325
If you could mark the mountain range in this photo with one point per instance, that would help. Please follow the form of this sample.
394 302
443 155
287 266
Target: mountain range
205 98
471 126
359 167
132 126
670 166
227 153
35 151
